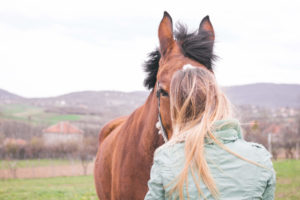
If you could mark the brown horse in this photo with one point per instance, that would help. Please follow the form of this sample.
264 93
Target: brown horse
127 144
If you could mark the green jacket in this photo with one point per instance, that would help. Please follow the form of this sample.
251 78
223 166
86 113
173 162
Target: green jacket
236 179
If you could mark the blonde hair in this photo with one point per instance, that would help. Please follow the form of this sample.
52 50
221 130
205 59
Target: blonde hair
196 103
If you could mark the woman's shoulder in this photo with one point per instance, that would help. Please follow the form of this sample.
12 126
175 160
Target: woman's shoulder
257 148
168 148
169 152
254 151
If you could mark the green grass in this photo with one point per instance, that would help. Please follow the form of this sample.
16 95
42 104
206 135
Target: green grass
82 187
33 115
57 118
36 163
288 179
16 108
18 111
63 188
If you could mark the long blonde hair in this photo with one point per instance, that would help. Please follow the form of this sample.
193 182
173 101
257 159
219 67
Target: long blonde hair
196 103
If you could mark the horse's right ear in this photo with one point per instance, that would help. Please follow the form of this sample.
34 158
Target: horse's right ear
165 33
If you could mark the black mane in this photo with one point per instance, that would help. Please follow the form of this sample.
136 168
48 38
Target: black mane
196 46
151 68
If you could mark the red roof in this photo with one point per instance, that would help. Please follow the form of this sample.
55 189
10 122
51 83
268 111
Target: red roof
63 127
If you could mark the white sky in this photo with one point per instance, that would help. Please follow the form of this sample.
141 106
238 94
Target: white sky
57 46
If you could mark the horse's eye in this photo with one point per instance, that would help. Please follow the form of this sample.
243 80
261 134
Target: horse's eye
164 93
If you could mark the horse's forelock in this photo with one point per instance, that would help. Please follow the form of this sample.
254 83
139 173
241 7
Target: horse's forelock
196 45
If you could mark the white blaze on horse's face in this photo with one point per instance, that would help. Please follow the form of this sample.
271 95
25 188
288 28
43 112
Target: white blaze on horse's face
188 66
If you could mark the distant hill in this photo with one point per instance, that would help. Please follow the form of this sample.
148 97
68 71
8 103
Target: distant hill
119 103
8 97
113 103
265 94
90 110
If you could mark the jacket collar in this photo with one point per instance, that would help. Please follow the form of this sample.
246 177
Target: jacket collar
226 131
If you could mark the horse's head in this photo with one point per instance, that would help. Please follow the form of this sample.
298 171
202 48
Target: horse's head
186 48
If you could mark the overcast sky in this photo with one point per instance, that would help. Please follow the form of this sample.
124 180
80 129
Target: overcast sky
53 47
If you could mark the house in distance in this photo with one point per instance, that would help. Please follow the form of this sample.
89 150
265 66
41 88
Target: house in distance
62 132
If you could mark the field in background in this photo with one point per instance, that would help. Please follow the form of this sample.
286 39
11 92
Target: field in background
82 187
33 115
44 168
4 164
62 188
288 179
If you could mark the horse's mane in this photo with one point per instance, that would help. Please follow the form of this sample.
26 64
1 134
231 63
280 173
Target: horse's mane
195 45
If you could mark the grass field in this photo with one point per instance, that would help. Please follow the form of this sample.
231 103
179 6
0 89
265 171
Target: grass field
22 112
64 188
37 163
288 179
82 187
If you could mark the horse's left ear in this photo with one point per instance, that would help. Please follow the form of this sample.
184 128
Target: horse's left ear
165 33
206 25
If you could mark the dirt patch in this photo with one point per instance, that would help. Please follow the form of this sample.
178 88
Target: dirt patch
47 171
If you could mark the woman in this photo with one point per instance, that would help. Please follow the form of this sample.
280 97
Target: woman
207 158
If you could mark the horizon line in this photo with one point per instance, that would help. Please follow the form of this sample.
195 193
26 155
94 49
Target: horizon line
131 91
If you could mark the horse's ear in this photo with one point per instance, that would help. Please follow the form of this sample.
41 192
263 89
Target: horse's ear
206 25
165 33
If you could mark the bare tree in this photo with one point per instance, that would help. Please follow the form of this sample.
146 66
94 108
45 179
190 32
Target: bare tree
13 149
87 150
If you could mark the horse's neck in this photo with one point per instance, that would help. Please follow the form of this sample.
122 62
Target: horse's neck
148 116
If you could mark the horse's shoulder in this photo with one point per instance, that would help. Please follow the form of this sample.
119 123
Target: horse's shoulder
110 126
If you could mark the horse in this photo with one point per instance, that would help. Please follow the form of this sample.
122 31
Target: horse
127 144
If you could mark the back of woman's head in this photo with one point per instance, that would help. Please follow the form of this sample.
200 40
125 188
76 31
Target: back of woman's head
195 94
196 103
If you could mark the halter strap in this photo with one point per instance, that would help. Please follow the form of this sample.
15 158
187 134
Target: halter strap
163 133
